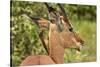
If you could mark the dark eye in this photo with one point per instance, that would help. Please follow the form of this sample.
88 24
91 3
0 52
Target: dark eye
71 29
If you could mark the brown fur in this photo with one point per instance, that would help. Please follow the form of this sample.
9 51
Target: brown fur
37 60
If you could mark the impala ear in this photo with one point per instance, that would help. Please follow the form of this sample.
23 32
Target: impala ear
42 23
37 21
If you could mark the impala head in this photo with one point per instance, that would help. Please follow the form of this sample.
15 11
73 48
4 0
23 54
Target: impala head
69 38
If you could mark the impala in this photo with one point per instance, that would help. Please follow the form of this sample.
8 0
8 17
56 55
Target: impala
61 36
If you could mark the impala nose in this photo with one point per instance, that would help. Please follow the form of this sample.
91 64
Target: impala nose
82 42
80 45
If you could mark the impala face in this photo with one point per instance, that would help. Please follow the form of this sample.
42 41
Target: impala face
70 39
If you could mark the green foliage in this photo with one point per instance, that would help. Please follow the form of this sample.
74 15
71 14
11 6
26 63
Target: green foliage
25 40
24 34
81 12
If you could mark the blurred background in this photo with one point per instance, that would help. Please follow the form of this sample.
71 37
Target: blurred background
24 34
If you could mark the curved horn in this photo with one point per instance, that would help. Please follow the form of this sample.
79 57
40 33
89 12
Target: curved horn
50 9
62 9
64 14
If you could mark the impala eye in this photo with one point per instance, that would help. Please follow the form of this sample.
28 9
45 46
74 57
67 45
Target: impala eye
71 29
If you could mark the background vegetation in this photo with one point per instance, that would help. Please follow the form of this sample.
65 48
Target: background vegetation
24 35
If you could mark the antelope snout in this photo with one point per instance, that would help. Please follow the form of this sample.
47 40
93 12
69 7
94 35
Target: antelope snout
82 42
80 45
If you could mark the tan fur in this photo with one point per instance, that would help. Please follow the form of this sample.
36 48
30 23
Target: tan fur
37 60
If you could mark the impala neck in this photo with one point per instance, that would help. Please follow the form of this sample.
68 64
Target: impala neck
56 51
